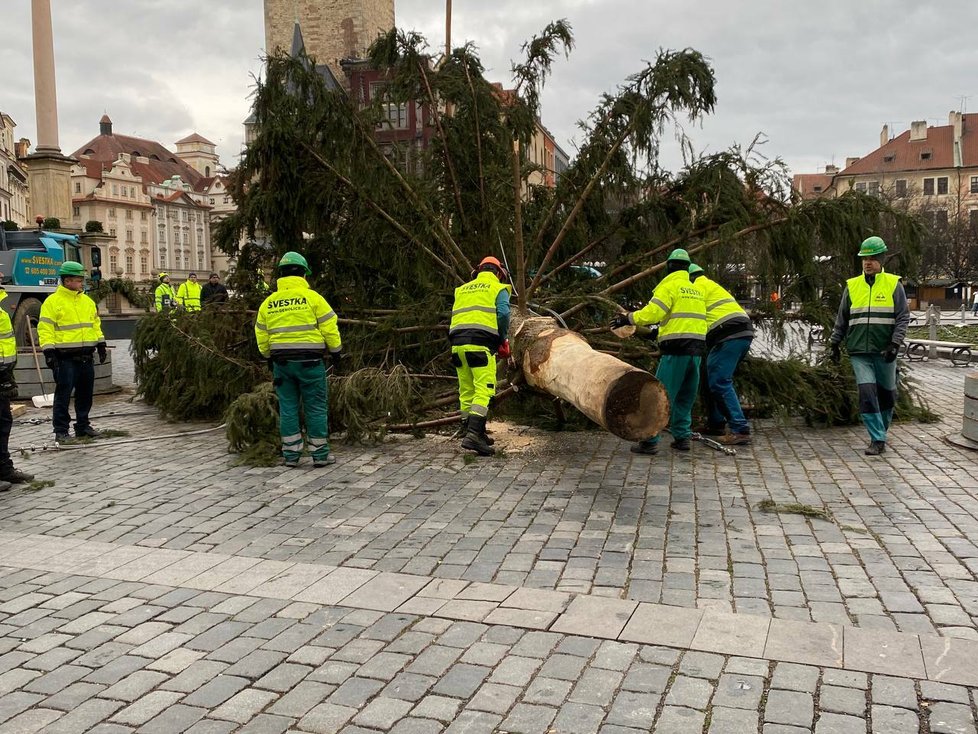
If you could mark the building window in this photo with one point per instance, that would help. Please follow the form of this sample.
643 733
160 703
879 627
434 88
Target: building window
129 214
123 193
901 188
128 235
227 199
111 231
212 202
974 184
874 188
129 261
973 220
928 187
113 262
161 235
395 114
132 192
111 212
144 263
77 187
925 156
200 257
76 211
143 237
142 216
861 187
940 219
162 257
817 189
115 189
942 185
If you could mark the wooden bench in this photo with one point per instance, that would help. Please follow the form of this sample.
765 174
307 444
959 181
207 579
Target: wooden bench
917 349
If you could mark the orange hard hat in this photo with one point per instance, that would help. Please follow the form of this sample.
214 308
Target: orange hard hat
493 262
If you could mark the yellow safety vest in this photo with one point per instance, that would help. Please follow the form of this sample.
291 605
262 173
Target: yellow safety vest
165 292
679 308
475 308
69 320
295 318
8 344
189 295
872 314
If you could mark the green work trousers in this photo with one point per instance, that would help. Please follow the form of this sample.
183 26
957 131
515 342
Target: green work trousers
302 385
476 370
876 380
680 376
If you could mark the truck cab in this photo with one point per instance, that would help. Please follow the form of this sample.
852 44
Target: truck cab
29 261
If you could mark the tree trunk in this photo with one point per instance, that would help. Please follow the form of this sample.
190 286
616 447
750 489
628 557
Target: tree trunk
624 400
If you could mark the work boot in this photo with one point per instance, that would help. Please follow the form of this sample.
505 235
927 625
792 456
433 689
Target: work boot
707 430
9 474
325 461
875 448
4 486
475 437
649 448
61 437
735 439
464 428
681 444
86 432
291 463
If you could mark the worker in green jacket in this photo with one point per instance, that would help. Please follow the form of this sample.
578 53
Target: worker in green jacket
873 319
679 307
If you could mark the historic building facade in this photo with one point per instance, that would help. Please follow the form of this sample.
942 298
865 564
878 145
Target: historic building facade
14 193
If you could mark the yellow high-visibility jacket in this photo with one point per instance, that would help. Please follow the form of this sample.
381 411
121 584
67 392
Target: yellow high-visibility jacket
166 297
725 319
188 295
69 322
295 322
479 315
679 308
8 344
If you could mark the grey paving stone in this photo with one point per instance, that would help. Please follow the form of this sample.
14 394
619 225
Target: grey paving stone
644 678
633 710
326 718
72 696
951 718
829 723
413 725
738 692
31 721
842 700
244 705
382 713
678 720
579 718
890 720
356 692
216 691
301 699
732 721
898 692
175 718
133 686
789 707
441 708
527 718
194 676
596 687
147 707
212 726
461 681
474 722
932 691
515 670
792 677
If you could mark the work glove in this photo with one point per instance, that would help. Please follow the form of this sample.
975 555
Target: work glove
51 359
891 353
651 335
8 385
336 361
620 320
103 352
504 350
836 353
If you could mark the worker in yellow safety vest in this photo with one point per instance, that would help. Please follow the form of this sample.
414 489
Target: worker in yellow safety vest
678 307
8 389
165 296
70 332
188 294
729 333
873 319
480 321
297 331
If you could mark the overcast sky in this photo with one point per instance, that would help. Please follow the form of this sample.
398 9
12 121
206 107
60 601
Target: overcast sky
818 79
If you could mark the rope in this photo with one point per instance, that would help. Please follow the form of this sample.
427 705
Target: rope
55 446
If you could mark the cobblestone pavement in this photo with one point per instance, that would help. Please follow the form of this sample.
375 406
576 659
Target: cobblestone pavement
568 586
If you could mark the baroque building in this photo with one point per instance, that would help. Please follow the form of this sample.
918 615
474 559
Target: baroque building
14 199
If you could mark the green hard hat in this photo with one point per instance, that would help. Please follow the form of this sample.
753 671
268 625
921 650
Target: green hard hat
694 268
679 254
872 246
69 267
294 258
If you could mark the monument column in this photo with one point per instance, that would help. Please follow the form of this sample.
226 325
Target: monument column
49 170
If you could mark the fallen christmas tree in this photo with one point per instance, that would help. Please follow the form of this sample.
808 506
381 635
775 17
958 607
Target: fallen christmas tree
390 229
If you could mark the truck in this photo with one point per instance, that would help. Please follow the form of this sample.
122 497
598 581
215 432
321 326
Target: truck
29 261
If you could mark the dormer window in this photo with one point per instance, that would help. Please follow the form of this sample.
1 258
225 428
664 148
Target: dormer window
889 158
925 155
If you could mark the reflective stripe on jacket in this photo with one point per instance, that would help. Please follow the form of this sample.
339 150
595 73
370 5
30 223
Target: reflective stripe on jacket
725 319
8 344
69 320
679 308
165 292
295 319
872 313
189 295
474 313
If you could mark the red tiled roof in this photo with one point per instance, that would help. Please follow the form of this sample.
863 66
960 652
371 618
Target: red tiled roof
163 164
903 154
195 138
807 183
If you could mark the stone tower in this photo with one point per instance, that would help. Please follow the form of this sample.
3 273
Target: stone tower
332 29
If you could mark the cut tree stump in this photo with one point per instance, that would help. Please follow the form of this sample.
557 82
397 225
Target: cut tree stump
622 399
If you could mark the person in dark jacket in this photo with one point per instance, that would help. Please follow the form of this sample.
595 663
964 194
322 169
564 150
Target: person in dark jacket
213 290
873 319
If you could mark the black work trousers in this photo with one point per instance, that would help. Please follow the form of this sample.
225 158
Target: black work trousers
6 423
74 374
